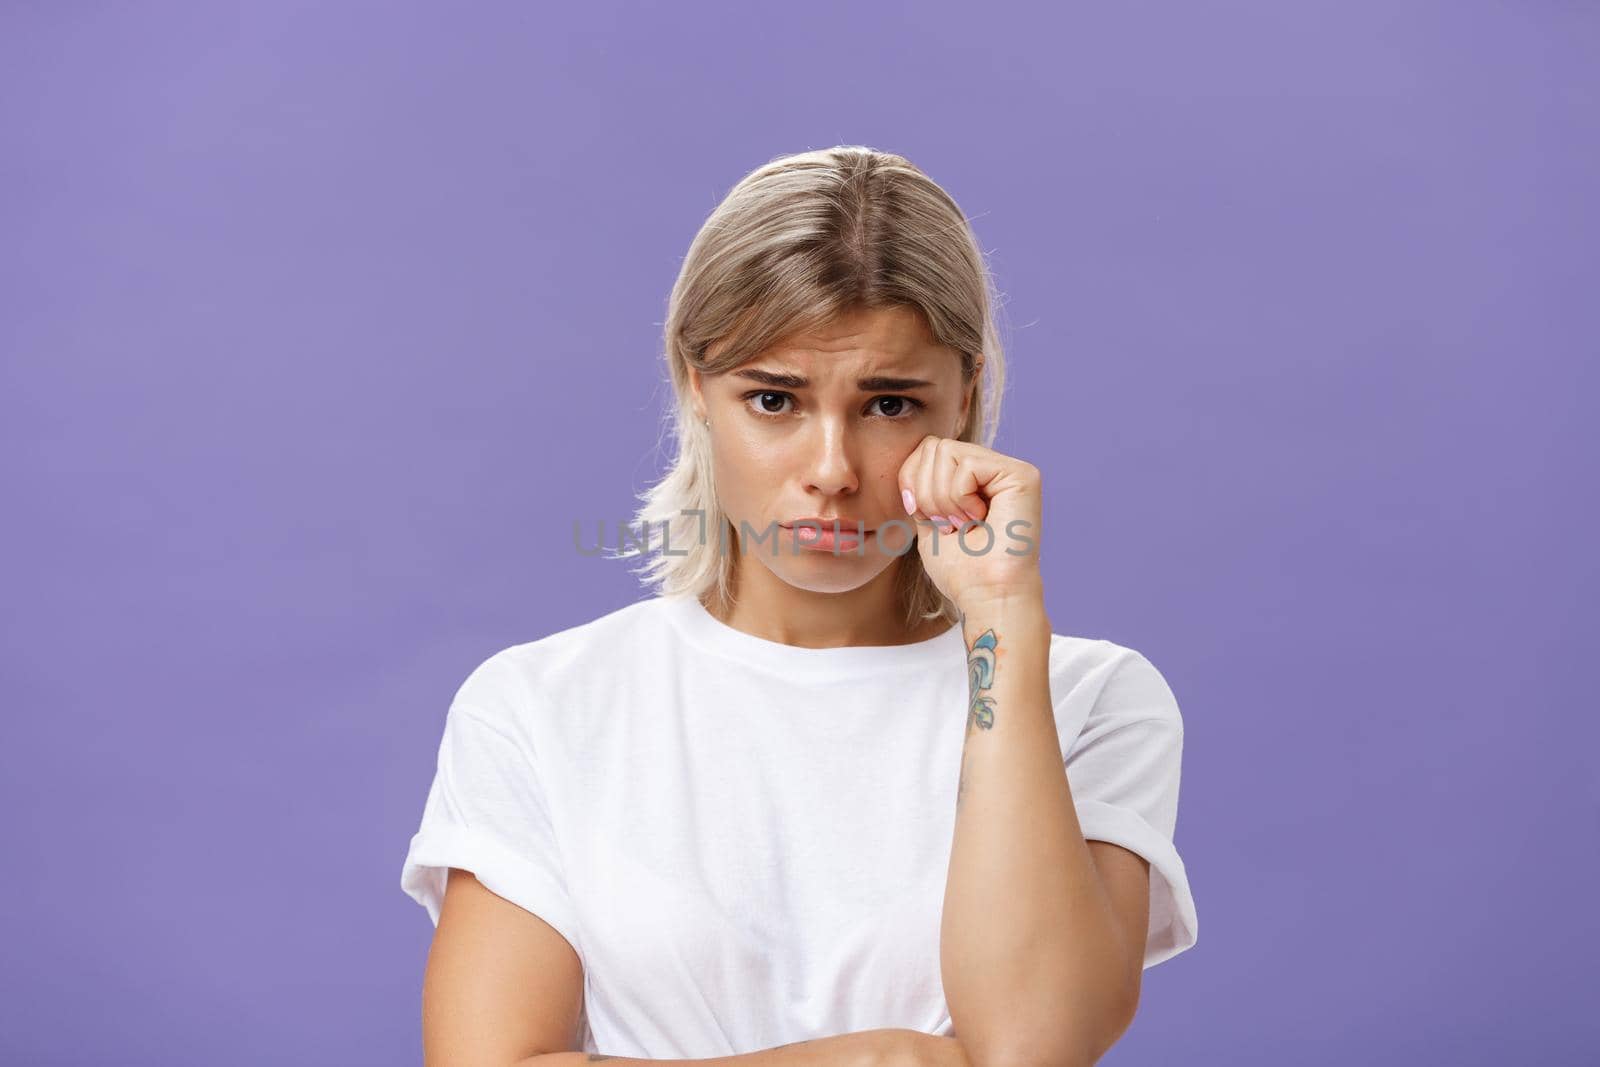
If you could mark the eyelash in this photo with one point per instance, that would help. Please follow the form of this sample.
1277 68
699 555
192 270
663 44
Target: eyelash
915 404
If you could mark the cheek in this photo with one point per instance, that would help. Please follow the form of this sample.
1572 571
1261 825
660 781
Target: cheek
887 461
752 449
747 469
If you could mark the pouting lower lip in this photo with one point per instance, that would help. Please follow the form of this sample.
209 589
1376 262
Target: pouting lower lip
827 537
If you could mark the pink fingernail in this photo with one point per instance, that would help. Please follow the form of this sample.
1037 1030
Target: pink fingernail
909 501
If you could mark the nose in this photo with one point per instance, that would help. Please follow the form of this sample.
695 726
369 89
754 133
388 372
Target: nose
832 469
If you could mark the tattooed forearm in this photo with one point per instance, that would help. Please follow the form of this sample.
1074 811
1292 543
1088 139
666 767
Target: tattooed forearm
980 707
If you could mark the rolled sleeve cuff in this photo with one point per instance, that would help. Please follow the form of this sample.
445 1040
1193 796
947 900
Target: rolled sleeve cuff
502 871
1174 925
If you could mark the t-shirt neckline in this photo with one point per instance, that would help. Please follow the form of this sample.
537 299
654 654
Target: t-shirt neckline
711 634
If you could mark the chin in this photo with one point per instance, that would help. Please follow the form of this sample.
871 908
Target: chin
826 573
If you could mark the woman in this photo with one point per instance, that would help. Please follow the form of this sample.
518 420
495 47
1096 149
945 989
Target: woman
837 790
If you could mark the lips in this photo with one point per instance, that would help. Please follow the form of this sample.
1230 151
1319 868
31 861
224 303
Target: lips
826 539
846 526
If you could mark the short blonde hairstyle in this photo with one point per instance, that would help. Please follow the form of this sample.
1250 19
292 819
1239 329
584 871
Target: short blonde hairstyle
796 243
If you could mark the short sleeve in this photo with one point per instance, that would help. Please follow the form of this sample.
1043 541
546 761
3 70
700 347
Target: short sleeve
486 812
1123 770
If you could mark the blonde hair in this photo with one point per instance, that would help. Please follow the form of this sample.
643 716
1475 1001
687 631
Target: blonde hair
797 242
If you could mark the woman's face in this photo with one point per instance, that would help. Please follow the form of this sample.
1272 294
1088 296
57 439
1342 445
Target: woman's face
818 426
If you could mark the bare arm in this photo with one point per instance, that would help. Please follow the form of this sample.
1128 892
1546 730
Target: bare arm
501 983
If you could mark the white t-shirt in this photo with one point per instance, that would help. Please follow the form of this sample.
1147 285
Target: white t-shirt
746 842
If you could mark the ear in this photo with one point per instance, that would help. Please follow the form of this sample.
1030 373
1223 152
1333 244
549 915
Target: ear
696 390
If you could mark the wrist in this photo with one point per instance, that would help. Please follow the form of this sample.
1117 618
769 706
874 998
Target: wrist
1024 599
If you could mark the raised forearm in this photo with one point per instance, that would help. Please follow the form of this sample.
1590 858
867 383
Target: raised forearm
1028 940
866 1048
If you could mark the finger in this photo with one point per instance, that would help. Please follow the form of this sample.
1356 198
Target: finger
927 506
910 476
944 470
962 489
964 492
907 477
956 494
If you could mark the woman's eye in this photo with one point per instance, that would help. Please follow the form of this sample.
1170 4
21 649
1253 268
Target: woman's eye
761 399
900 404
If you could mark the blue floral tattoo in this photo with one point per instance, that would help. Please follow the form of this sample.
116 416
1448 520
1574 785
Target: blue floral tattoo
980 676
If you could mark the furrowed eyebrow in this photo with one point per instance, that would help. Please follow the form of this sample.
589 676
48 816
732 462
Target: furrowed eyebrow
866 385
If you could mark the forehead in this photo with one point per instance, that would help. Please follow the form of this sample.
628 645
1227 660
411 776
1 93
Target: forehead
880 335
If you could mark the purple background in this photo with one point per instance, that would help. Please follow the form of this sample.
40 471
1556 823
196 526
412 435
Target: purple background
322 322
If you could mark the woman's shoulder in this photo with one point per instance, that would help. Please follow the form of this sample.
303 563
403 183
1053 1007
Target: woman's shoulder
1099 679
595 648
